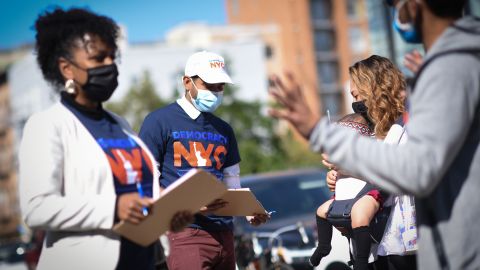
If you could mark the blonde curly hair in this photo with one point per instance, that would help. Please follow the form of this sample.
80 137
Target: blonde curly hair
380 84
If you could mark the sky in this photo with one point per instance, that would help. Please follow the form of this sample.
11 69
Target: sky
145 20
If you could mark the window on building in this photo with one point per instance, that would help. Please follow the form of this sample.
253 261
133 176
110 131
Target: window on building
321 9
235 7
332 101
328 72
358 41
354 9
324 40
268 51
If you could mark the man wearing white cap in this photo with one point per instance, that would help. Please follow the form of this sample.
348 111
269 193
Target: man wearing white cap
186 135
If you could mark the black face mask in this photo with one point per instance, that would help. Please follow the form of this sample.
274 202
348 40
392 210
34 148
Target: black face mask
101 82
359 107
362 109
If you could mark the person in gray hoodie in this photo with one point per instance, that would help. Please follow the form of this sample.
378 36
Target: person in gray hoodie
440 163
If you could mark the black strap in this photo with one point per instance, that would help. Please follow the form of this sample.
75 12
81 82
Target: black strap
473 51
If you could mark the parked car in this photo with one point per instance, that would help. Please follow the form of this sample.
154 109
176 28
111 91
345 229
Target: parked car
289 238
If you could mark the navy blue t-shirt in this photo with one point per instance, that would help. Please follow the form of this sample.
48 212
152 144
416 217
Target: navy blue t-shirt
129 164
180 143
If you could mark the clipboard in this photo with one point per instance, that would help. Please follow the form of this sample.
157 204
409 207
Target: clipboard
190 192
241 202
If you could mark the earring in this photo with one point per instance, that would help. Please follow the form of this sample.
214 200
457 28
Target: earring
70 86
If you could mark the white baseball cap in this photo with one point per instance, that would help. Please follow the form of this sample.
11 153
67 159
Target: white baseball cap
210 67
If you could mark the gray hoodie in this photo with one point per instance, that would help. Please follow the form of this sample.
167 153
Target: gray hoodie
440 163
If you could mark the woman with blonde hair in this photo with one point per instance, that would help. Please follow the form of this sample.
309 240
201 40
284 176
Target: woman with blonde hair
378 85
377 88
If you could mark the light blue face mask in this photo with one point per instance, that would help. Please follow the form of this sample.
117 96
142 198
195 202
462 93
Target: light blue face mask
206 101
406 30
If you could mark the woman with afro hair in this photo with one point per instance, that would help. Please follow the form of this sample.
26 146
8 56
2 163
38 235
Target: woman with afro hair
81 166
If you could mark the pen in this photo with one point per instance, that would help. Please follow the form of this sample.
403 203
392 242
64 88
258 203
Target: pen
140 193
328 116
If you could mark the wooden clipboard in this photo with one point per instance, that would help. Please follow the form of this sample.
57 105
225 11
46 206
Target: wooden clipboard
241 202
195 189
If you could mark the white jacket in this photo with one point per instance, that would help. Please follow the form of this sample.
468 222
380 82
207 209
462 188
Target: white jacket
66 188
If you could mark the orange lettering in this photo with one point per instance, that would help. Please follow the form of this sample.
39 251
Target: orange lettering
179 151
220 150
117 165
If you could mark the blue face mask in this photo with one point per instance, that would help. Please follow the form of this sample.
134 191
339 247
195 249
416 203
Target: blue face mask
407 31
206 101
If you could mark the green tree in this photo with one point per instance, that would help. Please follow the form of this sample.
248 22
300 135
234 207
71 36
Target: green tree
140 100
261 147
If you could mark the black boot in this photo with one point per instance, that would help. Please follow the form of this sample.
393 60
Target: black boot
324 230
361 236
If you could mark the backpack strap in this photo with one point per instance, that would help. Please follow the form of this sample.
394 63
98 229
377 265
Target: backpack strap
471 51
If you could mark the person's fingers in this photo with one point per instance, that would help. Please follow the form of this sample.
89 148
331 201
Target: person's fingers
409 57
145 202
331 180
289 92
417 55
279 96
327 164
217 206
137 215
259 219
254 221
413 60
135 205
263 218
409 66
217 203
132 216
280 114
332 175
279 83
418 58
409 61
295 89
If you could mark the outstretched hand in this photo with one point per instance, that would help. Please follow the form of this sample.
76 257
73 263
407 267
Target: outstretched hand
295 107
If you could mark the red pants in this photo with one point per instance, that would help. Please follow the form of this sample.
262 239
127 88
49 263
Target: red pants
193 249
